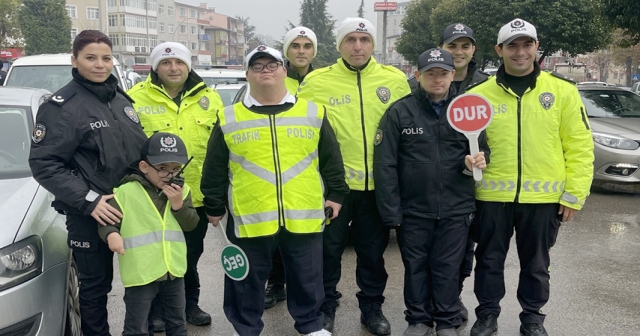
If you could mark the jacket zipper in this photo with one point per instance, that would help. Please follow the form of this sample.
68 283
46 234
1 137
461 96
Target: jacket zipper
276 163
519 150
364 134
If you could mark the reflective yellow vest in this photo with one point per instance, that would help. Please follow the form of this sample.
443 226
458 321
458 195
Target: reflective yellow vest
274 175
192 121
355 102
154 244
541 144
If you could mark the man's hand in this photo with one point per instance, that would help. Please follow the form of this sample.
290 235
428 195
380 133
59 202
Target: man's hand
567 213
215 220
174 195
105 213
476 161
116 243
335 206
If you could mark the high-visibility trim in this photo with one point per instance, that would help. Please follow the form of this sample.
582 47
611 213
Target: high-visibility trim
268 216
569 198
270 177
353 174
152 238
231 125
528 186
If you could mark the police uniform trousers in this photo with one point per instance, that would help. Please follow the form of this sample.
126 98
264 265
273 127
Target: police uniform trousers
432 251
302 258
276 277
370 241
467 263
95 272
536 227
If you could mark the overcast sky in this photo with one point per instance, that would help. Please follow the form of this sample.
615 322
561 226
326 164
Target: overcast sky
271 16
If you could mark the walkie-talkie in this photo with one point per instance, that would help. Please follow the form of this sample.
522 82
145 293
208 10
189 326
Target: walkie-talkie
177 178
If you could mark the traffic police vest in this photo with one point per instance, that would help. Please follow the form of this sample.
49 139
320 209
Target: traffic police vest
192 121
292 85
274 175
154 244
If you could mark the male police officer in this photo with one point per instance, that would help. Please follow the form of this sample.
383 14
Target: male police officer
300 47
356 90
268 162
541 171
176 100
416 149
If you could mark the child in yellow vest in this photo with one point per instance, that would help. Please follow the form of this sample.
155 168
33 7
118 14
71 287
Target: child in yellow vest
149 238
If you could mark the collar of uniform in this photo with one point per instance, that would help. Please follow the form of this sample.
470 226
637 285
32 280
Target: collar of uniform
371 63
105 91
294 74
249 101
501 77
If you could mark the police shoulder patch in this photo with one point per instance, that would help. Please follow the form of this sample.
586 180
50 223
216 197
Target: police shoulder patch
563 77
131 113
384 94
379 137
39 131
63 95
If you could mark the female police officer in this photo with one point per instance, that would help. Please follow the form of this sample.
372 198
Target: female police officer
85 136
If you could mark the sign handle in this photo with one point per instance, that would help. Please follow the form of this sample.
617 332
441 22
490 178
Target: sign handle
223 228
475 148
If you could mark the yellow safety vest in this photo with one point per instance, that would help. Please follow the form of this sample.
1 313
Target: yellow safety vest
292 85
192 121
541 144
154 244
274 175
355 102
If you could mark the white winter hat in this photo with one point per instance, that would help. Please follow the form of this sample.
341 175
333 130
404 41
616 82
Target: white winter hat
170 50
299 32
355 25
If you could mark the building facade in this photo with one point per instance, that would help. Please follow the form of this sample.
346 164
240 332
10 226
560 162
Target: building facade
85 14
394 30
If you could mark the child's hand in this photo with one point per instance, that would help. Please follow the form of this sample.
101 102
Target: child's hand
174 194
116 244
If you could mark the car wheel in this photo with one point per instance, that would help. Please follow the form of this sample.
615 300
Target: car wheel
72 323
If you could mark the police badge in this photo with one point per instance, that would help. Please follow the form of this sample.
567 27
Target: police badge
204 103
384 94
39 131
131 113
378 138
547 99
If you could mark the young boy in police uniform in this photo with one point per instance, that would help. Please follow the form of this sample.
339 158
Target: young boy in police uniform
155 214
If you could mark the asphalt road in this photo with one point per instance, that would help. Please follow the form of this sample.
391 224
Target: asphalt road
595 281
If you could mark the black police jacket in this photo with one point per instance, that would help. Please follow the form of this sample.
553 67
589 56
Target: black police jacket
474 75
85 136
418 162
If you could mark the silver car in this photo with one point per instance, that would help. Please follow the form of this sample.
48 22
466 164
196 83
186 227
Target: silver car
38 278
614 115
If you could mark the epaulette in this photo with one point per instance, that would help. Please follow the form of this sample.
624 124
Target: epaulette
476 84
393 69
63 95
563 77
136 88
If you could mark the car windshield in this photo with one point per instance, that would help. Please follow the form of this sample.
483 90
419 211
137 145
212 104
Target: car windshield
15 139
212 81
611 103
49 77
227 94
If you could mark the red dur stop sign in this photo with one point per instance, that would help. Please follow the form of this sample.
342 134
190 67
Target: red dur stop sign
469 114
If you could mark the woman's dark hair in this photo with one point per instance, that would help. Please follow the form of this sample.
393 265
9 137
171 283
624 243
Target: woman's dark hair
87 37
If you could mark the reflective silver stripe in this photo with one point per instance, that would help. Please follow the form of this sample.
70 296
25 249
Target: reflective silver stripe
371 175
528 186
296 121
253 168
153 237
229 115
299 167
355 174
567 197
246 124
268 216
312 113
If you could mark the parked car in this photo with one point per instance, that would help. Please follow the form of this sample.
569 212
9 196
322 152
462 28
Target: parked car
614 115
132 77
50 72
38 277
228 92
214 77
635 88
